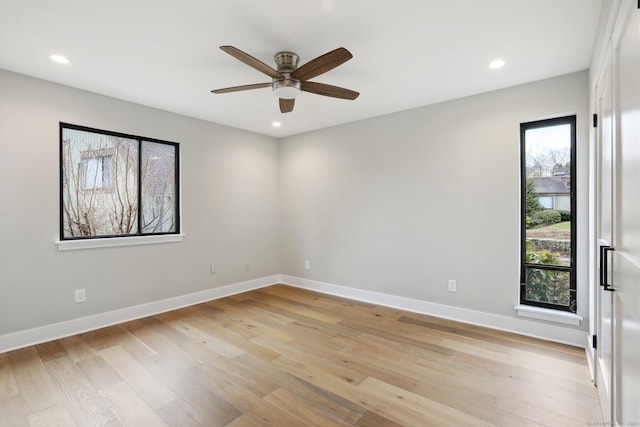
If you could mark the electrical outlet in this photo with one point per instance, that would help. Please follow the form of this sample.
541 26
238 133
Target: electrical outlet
247 267
452 285
307 265
213 269
81 295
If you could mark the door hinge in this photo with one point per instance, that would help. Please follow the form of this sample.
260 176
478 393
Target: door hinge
594 341
595 116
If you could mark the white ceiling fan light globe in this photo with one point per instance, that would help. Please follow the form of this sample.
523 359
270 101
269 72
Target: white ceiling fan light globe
286 88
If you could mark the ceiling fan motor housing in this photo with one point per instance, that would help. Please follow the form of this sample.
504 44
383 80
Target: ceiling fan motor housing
287 61
286 88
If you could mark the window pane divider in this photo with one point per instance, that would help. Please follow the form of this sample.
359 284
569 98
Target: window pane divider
549 267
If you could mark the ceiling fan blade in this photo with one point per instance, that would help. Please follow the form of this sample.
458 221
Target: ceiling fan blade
239 88
286 105
251 61
322 64
328 90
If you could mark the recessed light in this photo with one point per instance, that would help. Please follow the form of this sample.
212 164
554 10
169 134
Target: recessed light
59 59
496 63
276 124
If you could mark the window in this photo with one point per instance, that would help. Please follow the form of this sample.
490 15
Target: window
548 224
116 185
96 171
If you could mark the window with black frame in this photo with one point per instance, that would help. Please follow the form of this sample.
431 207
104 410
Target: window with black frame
116 185
548 213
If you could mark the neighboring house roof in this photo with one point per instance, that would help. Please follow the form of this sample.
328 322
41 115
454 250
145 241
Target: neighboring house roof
552 184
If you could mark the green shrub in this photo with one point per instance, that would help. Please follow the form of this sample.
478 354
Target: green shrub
532 203
534 256
565 216
547 217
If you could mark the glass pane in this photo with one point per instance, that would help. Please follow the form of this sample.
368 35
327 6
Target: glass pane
158 187
548 195
548 286
96 172
99 184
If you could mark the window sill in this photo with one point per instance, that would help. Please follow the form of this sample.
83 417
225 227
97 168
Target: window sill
70 245
549 315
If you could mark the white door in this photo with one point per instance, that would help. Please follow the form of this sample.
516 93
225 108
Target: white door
618 224
625 267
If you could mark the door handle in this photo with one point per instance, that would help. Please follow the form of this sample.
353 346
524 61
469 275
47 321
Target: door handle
604 268
602 264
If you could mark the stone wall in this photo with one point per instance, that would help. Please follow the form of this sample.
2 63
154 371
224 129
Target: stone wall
552 245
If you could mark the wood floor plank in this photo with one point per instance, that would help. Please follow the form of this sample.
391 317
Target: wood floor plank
368 400
227 369
297 407
336 369
316 396
371 419
346 309
14 411
240 319
180 414
104 337
150 389
538 346
308 324
77 348
301 309
129 407
37 389
235 344
98 372
248 420
396 337
208 337
51 350
8 385
287 356
162 324
511 380
204 405
87 408
433 412
544 409
247 402
163 345
55 416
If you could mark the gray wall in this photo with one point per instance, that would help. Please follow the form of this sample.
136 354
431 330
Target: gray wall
399 204
229 208
396 204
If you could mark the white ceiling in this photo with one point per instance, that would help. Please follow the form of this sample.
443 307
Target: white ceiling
407 53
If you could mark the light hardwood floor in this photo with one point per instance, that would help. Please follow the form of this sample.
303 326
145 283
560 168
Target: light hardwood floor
282 356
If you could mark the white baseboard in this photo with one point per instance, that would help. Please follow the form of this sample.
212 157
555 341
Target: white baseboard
532 328
67 328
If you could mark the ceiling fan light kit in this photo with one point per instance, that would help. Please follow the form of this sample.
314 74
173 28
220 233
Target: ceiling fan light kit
286 88
289 79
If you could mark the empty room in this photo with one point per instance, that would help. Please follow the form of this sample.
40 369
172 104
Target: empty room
320 213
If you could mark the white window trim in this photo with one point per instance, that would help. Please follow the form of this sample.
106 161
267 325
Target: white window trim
70 245
548 314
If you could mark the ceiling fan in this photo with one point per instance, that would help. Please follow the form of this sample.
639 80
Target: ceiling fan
289 79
